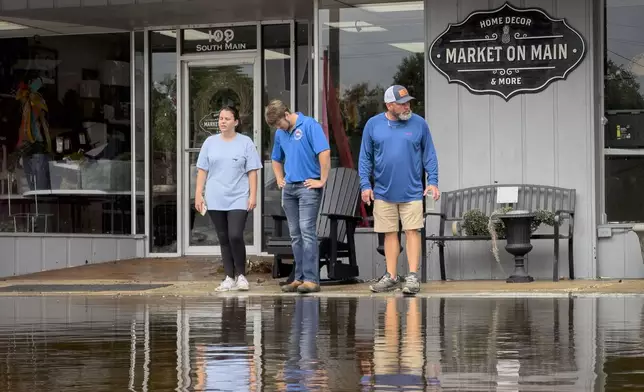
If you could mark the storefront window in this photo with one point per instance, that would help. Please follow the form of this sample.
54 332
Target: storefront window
66 134
624 111
139 129
303 73
365 48
624 189
277 85
163 142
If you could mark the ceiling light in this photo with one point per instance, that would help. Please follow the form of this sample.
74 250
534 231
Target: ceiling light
356 26
188 34
624 3
370 29
404 6
168 33
11 26
195 35
353 23
273 55
414 47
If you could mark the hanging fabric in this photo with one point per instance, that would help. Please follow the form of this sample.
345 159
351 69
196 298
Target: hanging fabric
34 127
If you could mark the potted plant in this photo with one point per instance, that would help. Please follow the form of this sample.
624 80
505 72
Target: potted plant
476 223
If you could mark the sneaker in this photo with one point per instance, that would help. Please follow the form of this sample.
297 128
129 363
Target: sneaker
411 286
386 283
241 283
227 285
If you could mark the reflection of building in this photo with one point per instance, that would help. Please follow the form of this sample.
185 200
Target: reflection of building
512 342
567 344
130 84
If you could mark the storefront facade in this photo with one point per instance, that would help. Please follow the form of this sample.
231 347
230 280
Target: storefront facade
143 83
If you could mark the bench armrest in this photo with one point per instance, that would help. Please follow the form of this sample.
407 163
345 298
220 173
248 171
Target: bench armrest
276 217
565 213
350 218
560 215
277 221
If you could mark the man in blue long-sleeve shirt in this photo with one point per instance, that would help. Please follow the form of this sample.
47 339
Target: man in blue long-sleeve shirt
396 147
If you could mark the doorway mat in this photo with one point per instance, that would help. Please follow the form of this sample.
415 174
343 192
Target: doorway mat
49 288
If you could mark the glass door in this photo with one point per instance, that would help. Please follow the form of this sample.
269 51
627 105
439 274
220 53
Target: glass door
209 85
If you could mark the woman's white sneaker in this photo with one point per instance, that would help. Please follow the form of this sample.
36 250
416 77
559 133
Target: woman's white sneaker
227 285
241 283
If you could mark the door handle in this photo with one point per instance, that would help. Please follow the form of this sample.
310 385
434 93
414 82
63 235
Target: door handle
192 149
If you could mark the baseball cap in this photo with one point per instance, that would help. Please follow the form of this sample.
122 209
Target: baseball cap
398 94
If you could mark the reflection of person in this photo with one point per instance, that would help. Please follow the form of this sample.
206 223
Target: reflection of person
228 164
301 370
33 138
225 362
396 146
301 163
398 360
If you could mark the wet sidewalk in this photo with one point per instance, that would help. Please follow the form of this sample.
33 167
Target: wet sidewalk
198 277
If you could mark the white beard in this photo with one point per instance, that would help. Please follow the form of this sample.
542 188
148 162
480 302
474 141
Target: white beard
405 116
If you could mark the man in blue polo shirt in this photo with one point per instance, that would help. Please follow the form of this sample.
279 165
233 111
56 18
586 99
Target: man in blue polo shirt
301 161
396 147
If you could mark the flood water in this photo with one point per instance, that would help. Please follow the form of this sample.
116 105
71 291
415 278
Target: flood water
321 344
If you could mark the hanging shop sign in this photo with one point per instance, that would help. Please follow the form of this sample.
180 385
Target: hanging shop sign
210 122
507 51
218 39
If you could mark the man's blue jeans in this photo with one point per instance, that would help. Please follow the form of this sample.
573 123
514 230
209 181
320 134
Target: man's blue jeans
301 206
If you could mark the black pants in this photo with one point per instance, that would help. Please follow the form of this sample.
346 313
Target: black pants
230 231
233 321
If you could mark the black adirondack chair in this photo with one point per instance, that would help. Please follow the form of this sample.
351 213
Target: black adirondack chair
336 227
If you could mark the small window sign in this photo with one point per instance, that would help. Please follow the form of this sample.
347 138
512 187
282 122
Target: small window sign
218 39
507 194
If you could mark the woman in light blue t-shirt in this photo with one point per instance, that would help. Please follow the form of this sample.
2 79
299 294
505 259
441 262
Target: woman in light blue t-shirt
227 166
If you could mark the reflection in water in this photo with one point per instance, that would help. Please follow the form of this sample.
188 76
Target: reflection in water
301 370
320 344
398 350
228 363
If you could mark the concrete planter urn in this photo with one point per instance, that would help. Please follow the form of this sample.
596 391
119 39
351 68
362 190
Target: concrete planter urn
518 228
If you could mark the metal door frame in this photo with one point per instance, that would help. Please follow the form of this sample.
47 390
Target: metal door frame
216 60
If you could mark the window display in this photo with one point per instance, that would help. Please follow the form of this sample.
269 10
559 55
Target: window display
65 134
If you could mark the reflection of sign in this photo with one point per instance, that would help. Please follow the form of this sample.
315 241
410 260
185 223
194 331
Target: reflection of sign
222 39
210 122
636 65
43 63
507 51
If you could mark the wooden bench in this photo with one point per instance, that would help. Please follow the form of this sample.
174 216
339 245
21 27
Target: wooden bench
336 226
559 201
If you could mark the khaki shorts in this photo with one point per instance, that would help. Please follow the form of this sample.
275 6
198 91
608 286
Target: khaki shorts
386 216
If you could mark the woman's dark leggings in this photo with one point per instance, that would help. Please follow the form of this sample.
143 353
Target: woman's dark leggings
230 231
